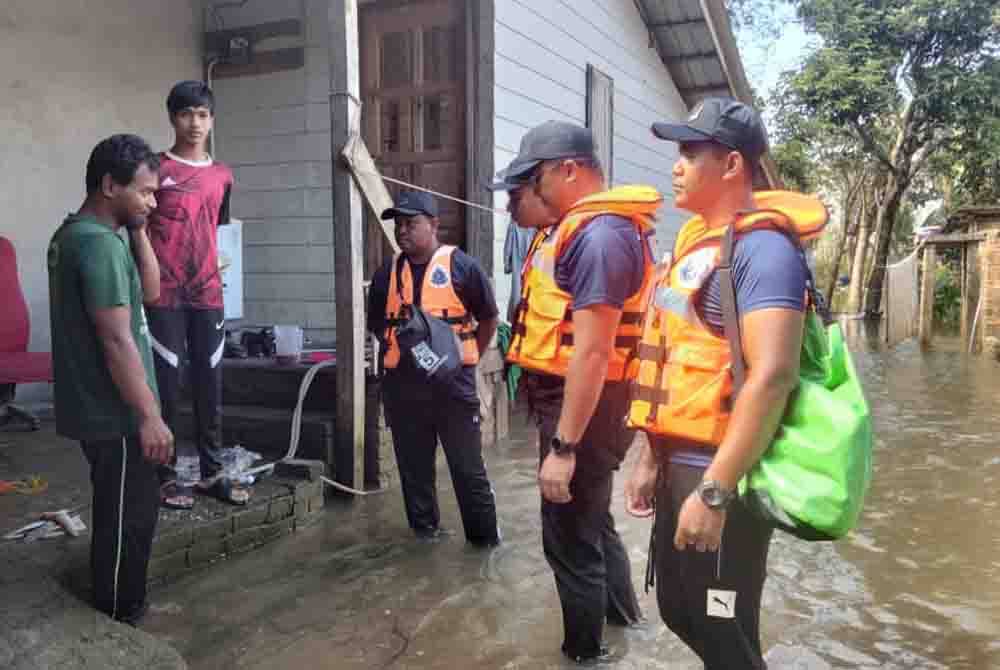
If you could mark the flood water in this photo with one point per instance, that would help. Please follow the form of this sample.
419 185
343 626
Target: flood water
916 586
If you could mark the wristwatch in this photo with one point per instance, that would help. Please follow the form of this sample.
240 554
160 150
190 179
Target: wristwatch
559 447
714 495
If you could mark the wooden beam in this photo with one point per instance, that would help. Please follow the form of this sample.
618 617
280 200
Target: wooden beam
481 23
926 329
218 40
955 238
370 181
263 62
963 283
348 459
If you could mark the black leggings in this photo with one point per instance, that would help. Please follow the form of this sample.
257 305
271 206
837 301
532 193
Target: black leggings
711 600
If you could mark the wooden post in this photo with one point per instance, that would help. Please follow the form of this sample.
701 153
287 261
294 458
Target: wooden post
964 285
927 295
348 460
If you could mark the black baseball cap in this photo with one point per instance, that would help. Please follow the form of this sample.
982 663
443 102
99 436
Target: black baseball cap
413 203
723 120
549 141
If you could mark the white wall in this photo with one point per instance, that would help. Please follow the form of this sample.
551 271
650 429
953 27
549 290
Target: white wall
274 131
542 51
72 73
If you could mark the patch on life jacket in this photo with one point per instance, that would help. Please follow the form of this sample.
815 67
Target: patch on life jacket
695 268
439 277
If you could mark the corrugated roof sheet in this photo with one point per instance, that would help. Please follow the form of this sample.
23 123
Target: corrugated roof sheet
685 43
696 43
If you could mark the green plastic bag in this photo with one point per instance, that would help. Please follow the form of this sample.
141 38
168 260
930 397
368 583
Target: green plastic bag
812 480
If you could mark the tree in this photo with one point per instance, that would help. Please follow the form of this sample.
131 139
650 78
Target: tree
907 79
816 156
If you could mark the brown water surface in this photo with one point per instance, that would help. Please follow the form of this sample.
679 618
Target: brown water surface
916 586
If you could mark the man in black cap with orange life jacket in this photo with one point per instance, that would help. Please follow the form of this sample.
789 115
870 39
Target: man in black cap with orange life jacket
450 285
576 326
737 275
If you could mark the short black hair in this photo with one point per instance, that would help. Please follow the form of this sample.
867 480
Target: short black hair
119 156
187 94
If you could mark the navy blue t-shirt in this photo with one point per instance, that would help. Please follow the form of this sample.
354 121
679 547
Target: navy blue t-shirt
603 264
769 271
473 289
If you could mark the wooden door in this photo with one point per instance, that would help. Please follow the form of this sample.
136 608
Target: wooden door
413 92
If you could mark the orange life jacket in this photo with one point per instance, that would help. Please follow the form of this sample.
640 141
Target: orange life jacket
543 325
437 298
684 384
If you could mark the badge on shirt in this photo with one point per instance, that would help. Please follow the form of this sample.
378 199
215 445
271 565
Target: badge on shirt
439 277
695 268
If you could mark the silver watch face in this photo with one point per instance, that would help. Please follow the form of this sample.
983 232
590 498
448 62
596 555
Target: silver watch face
713 495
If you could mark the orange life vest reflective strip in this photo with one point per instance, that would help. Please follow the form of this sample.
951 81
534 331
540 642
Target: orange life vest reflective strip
684 386
543 324
437 297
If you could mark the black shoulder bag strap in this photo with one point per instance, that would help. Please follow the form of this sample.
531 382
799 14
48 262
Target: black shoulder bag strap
399 278
730 315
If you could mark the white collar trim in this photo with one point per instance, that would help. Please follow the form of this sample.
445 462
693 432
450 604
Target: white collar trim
205 163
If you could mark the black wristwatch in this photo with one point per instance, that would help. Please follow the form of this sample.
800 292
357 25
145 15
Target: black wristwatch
714 495
559 447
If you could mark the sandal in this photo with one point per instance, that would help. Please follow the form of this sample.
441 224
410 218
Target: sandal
176 496
224 489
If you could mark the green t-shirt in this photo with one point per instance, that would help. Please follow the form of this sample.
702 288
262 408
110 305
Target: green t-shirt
90 268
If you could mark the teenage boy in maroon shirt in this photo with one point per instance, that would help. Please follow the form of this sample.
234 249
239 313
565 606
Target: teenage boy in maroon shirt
187 322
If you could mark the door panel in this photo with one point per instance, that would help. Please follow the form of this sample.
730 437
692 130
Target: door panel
413 90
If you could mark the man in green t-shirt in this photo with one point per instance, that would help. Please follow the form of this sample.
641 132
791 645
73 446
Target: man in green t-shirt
105 388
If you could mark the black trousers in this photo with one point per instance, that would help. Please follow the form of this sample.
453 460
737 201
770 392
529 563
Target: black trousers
418 417
583 548
125 510
195 337
711 600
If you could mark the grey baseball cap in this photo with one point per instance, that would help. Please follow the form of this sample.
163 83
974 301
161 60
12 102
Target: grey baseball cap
549 141
412 203
723 120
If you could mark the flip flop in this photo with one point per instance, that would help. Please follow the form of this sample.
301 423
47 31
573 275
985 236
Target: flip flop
175 496
224 489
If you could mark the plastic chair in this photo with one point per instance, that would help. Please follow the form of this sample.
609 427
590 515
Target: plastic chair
17 364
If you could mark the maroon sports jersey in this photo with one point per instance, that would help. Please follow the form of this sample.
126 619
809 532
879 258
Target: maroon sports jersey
192 200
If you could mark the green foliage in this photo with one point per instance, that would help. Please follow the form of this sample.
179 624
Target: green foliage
947 299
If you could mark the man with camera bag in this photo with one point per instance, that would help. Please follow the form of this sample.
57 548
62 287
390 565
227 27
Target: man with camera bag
429 281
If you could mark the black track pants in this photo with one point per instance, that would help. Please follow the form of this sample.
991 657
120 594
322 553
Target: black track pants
125 510
591 567
193 337
711 600
418 418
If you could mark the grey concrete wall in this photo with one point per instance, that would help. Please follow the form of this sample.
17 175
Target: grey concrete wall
72 73
274 130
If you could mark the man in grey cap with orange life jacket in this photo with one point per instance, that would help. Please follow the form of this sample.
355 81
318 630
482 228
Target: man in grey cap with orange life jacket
450 285
577 323
738 275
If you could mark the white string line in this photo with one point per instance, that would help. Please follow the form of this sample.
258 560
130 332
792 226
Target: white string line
496 212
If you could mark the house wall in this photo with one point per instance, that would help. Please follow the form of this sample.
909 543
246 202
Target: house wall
274 131
542 51
73 73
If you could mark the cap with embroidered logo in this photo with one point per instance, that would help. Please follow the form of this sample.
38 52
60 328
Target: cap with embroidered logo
722 120
412 203
549 141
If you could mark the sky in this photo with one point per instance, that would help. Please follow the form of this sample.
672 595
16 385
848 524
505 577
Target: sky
765 58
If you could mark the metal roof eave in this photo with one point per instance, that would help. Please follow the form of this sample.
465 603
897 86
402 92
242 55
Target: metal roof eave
695 41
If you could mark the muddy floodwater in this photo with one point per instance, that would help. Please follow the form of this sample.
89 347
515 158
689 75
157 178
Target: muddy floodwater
916 586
